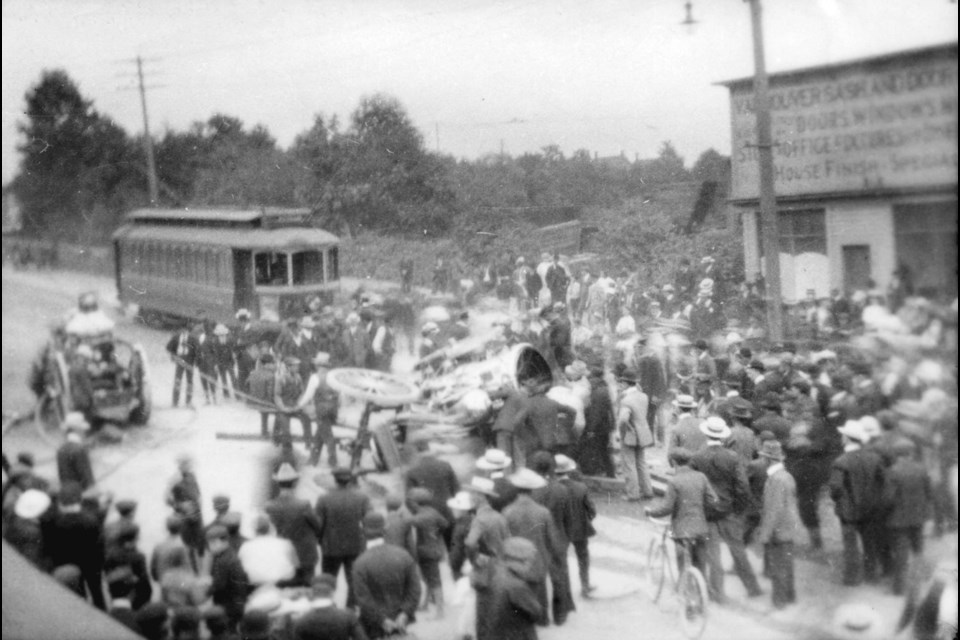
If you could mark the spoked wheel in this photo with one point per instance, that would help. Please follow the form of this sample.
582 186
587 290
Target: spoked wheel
693 602
381 389
657 568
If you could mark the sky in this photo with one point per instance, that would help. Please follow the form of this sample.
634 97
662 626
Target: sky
475 76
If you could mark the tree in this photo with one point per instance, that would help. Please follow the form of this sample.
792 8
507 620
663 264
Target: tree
711 166
79 171
667 167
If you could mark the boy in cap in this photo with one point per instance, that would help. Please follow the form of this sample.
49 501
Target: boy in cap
429 525
688 498
73 459
778 524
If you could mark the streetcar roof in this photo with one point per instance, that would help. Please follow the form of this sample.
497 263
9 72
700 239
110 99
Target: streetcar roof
217 215
281 239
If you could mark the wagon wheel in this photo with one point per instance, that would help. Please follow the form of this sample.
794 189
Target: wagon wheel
381 389
54 403
141 373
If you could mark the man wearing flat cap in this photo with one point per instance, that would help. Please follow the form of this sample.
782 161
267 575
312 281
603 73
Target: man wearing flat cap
324 620
778 524
507 604
295 520
386 582
73 459
341 512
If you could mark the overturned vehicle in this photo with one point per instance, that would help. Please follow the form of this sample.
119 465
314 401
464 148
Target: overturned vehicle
85 368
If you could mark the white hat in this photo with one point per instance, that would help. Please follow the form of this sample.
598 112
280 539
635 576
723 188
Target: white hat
686 401
494 460
871 427
32 503
853 429
75 422
856 617
286 473
820 356
528 479
479 484
463 501
221 330
429 327
734 338
353 318
306 322
242 314
321 358
564 464
715 427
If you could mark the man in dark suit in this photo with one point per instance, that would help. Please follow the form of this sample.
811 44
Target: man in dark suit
652 376
556 497
386 582
507 605
536 425
908 497
438 476
229 586
728 476
355 342
324 621
857 488
76 537
341 512
581 523
183 350
296 521
528 519
73 459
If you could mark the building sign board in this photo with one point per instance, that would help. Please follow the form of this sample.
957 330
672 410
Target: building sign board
850 128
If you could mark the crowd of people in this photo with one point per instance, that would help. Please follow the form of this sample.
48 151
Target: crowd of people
757 436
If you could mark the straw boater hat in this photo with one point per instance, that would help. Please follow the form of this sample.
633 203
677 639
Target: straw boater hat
482 485
494 460
286 473
428 328
575 370
463 501
853 429
528 480
243 314
715 428
563 464
321 358
772 450
75 422
221 330
685 401
32 503
871 427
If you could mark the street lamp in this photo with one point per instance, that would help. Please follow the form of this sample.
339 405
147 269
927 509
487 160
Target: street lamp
769 217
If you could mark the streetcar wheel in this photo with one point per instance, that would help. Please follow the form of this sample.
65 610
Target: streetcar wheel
693 602
656 568
381 389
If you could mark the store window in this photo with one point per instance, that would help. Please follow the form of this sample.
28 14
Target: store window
926 243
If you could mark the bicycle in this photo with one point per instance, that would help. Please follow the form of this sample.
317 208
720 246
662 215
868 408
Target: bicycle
689 586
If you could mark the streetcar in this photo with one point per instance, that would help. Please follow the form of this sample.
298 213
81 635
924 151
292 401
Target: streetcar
185 264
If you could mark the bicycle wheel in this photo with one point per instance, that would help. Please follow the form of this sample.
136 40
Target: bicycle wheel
693 602
656 567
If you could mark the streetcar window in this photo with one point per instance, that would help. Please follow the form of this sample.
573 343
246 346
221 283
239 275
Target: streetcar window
271 269
308 267
333 264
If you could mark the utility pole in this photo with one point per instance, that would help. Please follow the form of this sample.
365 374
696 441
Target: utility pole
147 140
436 127
769 217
